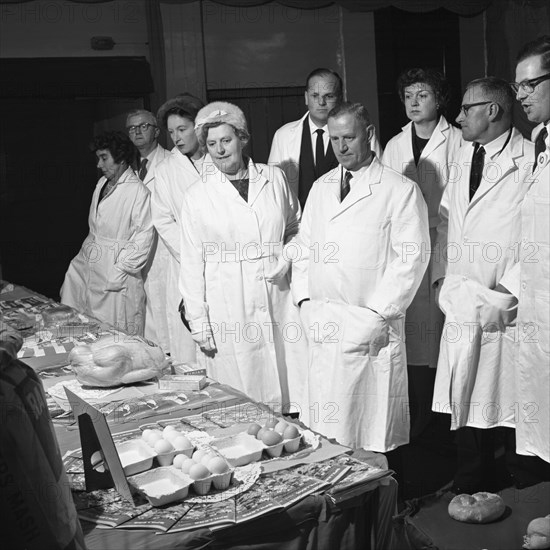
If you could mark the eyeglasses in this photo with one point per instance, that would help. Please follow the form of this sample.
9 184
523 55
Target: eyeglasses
528 86
143 127
467 106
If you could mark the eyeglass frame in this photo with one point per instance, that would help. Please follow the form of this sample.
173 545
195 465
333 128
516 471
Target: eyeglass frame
467 106
144 126
529 84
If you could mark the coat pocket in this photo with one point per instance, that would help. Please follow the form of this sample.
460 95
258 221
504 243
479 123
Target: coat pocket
117 280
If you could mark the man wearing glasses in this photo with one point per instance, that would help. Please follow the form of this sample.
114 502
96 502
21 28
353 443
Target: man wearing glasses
476 246
143 131
301 148
530 279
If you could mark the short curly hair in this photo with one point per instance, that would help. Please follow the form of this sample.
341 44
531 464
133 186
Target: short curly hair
433 78
117 143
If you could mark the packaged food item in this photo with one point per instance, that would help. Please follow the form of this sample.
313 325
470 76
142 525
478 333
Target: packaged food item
36 508
111 361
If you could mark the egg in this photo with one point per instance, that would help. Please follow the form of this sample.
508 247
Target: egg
217 465
146 434
179 460
272 437
253 429
197 455
280 426
271 423
167 432
208 457
162 446
261 432
291 432
181 442
153 438
198 471
187 464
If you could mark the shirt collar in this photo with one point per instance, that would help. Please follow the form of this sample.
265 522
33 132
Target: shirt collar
313 128
494 148
359 173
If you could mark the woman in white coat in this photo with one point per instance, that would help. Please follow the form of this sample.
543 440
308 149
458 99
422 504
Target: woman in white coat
422 152
105 278
237 218
173 176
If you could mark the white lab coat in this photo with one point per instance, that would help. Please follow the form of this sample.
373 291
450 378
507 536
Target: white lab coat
154 273
530 282
173 177
230 246
476 246
285 150
104 279
424 320
362 253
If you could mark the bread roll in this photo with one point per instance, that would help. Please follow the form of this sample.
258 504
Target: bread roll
477 508
538 534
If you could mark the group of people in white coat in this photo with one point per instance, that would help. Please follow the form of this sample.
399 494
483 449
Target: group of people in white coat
408 268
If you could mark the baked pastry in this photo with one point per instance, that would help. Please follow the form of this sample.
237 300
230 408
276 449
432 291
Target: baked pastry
538 534
477 508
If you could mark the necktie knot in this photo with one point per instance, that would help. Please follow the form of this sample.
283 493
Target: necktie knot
142 169
346 186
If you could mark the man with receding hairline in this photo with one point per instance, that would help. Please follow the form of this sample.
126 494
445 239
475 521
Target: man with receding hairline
476 247
363 249
143 131
301 148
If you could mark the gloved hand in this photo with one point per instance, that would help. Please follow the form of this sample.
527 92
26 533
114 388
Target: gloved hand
377 331
279 269
204 337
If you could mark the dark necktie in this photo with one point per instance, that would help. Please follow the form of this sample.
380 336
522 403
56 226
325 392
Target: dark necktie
142 169
345 186
540 145
319 150
477 168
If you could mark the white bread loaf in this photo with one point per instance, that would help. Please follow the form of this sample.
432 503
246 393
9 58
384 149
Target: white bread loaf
114 360
477 508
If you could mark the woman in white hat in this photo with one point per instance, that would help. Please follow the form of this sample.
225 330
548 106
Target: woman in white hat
238 222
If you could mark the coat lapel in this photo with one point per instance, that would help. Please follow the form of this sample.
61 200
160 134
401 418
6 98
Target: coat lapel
502 165
256 183
360 189
439 137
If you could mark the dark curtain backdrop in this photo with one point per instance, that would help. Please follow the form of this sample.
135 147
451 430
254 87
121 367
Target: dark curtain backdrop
461 7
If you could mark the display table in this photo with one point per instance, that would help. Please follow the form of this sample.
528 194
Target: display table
361 519
425 523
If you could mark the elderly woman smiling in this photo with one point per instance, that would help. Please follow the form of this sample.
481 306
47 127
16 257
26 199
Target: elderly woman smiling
237 218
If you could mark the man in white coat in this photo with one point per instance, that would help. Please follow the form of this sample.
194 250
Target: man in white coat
476 243
361 257
301 148
143 131
530 280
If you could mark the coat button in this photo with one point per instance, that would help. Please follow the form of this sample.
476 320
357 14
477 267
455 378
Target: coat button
523 286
